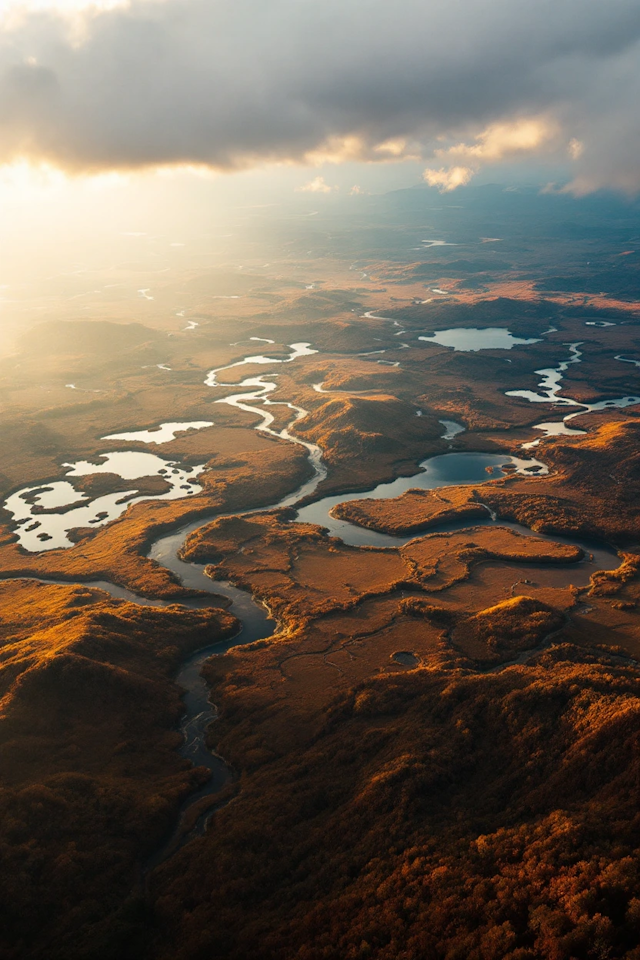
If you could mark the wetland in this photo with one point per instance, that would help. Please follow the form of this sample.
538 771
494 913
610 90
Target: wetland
355 613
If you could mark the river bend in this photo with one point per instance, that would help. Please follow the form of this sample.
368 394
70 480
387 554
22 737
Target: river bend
440 471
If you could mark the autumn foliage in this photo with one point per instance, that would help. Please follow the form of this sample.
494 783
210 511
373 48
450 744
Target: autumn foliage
434 815
91 780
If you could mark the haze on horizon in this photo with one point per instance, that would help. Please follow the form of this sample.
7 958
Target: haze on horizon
174 116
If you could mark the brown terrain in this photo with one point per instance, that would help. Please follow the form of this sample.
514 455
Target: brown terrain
569 501
300 573
117 551
90 774
436 755
455 806
434 813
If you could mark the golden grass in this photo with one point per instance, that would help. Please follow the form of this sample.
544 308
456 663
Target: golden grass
301 573
91 779
569 501
385 811
414 511
117 552
513 626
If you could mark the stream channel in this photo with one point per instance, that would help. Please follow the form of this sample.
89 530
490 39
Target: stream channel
440 471
449 469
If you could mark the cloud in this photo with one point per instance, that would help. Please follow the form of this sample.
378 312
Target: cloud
446 179
317 185
503 141
230 85
575 148
499 142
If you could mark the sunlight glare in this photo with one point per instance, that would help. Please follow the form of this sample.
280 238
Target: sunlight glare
59 6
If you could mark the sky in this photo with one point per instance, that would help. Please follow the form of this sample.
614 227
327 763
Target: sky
117 102
456 85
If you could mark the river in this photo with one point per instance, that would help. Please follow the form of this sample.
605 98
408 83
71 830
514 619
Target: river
440 471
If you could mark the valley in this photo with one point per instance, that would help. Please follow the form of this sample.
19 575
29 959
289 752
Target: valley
320 615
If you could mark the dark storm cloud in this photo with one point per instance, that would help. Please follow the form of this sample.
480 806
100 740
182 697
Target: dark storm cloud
231 83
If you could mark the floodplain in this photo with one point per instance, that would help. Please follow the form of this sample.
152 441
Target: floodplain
410 562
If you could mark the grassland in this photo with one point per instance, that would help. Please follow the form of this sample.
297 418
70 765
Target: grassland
91 780
476 802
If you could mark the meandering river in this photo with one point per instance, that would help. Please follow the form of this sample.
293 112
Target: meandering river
436 472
